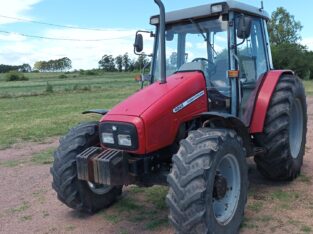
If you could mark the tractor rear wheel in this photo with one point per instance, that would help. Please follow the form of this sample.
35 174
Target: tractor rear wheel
285 130
208 183
76 194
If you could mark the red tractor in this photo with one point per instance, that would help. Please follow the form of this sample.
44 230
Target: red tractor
213 100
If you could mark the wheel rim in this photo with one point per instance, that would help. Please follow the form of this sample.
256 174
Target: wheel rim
224 208
99 189
296 128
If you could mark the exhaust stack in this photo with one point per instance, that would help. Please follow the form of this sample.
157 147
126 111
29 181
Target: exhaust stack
162 41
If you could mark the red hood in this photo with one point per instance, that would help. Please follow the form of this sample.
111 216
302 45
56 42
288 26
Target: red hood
139 102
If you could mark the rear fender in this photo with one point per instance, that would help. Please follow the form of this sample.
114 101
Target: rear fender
263 99
231 122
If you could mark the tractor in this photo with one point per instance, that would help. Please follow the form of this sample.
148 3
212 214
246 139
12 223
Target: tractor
212 99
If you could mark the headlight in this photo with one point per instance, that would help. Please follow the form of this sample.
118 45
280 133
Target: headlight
118 135
107 138
124 140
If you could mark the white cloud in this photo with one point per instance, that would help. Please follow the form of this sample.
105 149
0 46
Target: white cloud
17 49
84 55
15 8
189 45
12 37
308 42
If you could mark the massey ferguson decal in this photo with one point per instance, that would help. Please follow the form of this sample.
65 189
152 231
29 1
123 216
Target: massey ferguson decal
188 102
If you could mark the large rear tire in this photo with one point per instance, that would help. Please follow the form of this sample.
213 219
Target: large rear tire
77 194
285 130
208 183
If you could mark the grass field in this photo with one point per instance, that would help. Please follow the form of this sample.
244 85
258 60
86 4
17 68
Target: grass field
32 111
46 106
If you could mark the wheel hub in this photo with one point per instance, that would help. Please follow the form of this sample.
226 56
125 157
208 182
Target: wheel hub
220 187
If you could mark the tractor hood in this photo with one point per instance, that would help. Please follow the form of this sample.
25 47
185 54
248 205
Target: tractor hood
162 108
139 102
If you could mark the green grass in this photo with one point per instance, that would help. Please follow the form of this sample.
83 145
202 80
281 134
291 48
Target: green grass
305 179
112 218
248 224
21 208
33 111
143 206
156 195
26 218
44 157
11 163
155 224
70 228
306 229
284 196
255 206
284 200
308 84
27 117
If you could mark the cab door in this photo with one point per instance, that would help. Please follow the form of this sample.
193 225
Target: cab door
253 65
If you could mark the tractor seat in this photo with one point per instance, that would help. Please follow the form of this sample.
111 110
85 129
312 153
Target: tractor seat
193 66
218 78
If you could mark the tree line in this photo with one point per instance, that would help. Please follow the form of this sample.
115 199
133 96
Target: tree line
58 65
20 68
122 63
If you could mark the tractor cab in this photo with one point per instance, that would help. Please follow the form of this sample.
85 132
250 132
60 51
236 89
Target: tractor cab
227 42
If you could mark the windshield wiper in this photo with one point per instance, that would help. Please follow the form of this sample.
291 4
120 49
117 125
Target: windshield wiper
199 29
202 32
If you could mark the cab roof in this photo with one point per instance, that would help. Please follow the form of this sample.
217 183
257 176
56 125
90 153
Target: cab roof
206 10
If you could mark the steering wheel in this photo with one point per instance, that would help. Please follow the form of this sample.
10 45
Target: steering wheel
210 67
200 59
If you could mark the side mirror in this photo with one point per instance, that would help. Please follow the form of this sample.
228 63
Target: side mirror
244 27
138 46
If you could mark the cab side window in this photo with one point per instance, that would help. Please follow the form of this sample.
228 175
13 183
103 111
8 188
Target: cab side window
252 54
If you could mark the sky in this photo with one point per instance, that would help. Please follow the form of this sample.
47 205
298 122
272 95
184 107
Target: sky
117 20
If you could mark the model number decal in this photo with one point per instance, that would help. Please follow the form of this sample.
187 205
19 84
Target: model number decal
188 102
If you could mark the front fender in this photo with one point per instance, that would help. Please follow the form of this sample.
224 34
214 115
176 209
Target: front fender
232 122
96 111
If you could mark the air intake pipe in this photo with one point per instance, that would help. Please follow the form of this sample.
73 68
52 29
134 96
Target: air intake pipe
162 41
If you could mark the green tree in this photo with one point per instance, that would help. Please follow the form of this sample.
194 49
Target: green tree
294 57
119 63
126 62
141 61
287 53
107 63
63 64
283 28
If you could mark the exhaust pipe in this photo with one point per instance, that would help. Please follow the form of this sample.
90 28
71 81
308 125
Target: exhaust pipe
162 41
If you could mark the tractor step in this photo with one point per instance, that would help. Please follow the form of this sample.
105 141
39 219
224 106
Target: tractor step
102 166
259 151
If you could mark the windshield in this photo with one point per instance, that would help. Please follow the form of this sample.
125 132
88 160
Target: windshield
198 45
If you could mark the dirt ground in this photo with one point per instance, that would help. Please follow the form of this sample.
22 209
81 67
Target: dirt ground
29 205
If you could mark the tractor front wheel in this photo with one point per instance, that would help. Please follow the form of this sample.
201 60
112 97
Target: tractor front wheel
208 183
76 194
285 130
